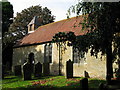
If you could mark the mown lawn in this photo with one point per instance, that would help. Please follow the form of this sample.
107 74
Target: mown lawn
47 82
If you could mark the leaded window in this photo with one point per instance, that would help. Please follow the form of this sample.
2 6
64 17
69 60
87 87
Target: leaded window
76 57
48 53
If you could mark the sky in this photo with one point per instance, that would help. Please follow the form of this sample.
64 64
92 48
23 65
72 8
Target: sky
58 7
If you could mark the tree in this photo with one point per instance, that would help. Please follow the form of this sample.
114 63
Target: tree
103 24
22 19
18 29
7 15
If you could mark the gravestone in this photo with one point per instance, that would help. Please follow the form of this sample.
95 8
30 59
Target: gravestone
17 70
27 71
69 69
84 83
46 69
38 70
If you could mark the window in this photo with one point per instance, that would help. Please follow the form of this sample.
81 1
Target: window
30 27
48 53
76 58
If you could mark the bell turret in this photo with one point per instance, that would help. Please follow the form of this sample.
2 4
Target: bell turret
34 24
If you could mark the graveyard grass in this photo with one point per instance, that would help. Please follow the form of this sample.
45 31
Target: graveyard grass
47 82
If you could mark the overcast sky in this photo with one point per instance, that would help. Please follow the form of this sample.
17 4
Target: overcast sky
58 7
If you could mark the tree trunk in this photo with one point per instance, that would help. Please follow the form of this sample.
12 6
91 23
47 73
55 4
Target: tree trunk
109 58
59 59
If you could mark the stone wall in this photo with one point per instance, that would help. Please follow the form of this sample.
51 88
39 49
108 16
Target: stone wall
95 67
54 66
20 55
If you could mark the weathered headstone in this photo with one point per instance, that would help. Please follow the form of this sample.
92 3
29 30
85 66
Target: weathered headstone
46 69
84 83
17 70
38 70
27 73
69 69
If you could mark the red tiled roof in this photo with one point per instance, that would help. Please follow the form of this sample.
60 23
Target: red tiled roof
46 32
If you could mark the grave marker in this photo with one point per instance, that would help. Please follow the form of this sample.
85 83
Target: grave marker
69 69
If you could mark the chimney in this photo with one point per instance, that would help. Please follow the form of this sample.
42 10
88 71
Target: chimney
34 24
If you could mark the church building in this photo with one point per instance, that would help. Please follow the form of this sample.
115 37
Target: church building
38 44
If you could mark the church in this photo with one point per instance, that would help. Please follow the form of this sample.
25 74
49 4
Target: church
38 44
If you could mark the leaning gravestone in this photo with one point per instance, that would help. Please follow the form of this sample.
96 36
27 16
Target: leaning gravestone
46 69
38 70
17 70
69 69
27 73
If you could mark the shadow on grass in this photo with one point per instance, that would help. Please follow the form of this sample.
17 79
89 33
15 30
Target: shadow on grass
21 78
8 77
48 87
12 79
42 77
93 83
77 77
10 82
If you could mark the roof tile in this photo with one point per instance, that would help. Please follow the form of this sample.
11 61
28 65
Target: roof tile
46 32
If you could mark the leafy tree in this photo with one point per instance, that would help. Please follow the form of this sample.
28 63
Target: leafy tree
7 15
18 29
6 9
102 21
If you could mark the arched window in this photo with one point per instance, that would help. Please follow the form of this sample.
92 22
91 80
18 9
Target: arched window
48 53
76 57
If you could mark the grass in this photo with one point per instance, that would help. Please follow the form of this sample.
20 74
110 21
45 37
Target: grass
47 82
